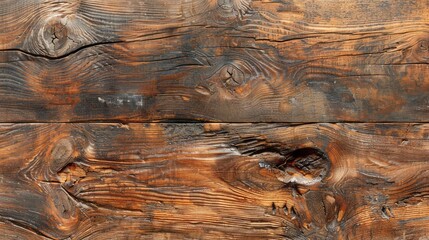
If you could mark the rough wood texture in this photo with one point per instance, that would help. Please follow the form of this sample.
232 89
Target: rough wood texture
214 60
214 181
262 64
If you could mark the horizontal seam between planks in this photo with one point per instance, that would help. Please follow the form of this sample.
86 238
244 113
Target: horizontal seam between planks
202 122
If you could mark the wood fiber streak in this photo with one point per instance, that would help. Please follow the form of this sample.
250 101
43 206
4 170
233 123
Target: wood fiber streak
214 60
214 181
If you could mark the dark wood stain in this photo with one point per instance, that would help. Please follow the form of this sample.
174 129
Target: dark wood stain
220 61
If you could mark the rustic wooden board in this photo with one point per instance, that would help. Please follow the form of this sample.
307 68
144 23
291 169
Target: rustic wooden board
225 181
64 64
214 60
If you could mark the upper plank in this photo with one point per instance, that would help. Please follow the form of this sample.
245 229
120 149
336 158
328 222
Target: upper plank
206 60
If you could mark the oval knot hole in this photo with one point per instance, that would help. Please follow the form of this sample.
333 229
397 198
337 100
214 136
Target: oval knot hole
306 166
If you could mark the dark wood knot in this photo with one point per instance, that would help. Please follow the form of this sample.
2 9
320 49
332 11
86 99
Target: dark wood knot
231 76
304 166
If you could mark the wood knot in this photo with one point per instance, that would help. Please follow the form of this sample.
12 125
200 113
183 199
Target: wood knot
63 157
424 45
236 8
62 153
423 51
225 5
232 77
62 212
386 212
58 34
55 37
71 174
270 167
306 166
230 80
419 53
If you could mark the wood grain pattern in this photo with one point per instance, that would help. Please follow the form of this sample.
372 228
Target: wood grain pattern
214 60
214 181
253 68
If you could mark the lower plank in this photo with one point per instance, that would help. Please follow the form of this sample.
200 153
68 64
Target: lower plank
226 181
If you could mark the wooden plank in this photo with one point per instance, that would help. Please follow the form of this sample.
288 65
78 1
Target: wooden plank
208 60
226 181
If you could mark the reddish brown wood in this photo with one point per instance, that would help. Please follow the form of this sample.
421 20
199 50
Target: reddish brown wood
229 181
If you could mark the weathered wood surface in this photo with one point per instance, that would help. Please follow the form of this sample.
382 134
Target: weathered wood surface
214 60
214 181
237 61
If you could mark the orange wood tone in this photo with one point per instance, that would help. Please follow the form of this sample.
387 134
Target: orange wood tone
214 181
